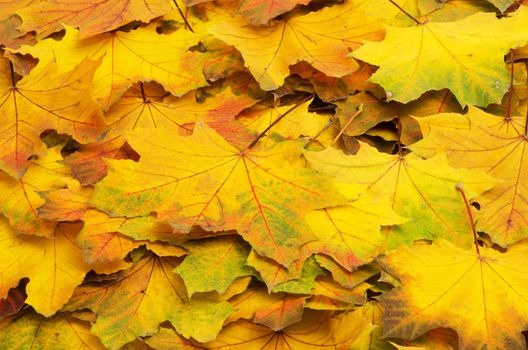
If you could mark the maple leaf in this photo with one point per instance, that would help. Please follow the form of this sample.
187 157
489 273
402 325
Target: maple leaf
471 52
139 55
65 204
61 331
275 310
49 99
438 338
149 106
422 191
129 307
261 11
317 330
496 145
23 196
213 264
250 191
268 52
53 265
481 279
101 241
351 234
91 17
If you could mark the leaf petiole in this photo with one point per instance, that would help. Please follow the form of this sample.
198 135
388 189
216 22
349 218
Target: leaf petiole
279 118
406 13
470 215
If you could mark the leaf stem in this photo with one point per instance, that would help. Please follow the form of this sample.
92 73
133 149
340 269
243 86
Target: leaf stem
322 131
510 94
399 144
406 13
279 118
526 119
12 68
187 24
470 215
145 99
358 112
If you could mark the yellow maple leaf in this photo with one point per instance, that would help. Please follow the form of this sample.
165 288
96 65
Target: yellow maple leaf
496 145
148 105
92 17
129 306
351 234
53 265
139 55
264 194
23 196
269 51
62 331
48 99
317 330
422 191
487 288
466 56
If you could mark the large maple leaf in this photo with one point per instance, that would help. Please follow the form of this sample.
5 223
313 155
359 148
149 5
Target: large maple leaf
466 56
129 307
422 191
92 17
46 177
150 106
203 180
141 54
479 283
318 330
268 52
496 145
61 331
48 99
54 266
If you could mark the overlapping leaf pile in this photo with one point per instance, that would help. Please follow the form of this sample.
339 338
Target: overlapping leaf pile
263 174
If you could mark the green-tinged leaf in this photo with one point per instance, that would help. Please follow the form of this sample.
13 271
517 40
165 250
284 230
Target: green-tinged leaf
213 264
